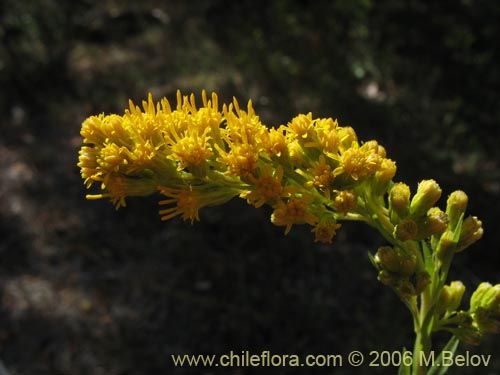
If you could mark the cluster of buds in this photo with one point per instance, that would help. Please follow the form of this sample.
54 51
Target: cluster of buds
417 219
310 171
398 268
483 316
485 308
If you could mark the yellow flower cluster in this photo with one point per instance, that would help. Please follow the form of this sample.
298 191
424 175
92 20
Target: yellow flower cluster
310 171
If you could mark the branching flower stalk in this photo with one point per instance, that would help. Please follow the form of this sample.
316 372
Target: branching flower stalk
310 171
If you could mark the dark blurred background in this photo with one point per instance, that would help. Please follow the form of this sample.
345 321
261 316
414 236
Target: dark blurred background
85 289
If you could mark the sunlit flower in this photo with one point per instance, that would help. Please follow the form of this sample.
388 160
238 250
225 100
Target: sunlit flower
384 175
301 126
141 157
111 158
241 160
325 230
274 142
267 188
345 201
293 211
120 187
347 138
185 203
87 162
326 137
191 149
353 164
322 176
359 162
242 127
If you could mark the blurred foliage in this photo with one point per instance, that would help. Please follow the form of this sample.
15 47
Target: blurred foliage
421 77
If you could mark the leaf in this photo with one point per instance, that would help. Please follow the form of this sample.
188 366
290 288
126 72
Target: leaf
404 369
373 261
458 229
429 263
437 368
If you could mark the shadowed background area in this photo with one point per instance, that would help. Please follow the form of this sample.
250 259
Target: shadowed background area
85 289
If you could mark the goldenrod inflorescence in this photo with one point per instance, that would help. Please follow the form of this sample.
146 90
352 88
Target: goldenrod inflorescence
310 171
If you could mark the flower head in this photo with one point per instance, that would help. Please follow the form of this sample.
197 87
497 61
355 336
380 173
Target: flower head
186 204
345 201
325 230
274 142
358 163
266 188
293 211
192 149
301 127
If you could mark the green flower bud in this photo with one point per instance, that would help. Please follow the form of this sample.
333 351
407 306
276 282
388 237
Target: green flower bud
422 281
435 223
451 296
408 264
446 245
428 193
491 300
406 230
387 278
472 230
391 260
399 199
406 289
477 296
485 322
388 258
456 205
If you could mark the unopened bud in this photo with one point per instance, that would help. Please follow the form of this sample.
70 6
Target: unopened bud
345 201
478 295
472 230
422 281
428 193
435 223
408 264
406 289
387 278
406 230
399 199
491 300
451 296
395 262
456 206
388 258
347 137
486 322
384 176
446 245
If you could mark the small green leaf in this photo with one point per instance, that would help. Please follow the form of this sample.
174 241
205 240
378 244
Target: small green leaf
458 229
372 259
437 368
404 369
429 263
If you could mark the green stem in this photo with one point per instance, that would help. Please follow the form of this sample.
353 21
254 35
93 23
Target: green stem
423 331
